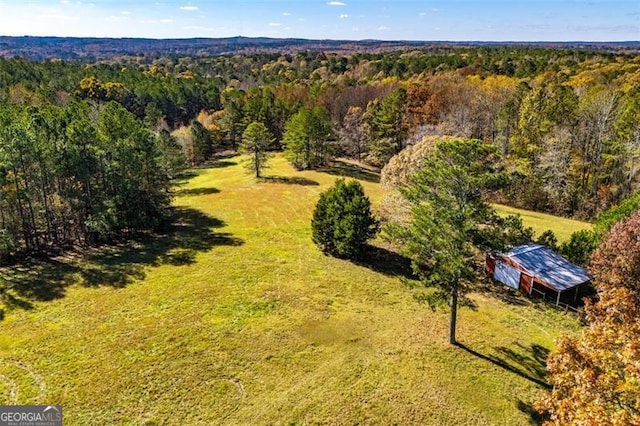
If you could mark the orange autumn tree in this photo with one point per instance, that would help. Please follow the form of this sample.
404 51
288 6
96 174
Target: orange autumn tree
596 376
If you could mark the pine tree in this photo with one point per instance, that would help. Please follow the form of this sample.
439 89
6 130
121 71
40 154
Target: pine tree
342 221
451 224
255 140
307 138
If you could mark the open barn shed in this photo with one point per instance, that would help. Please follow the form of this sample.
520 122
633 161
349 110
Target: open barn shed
536 269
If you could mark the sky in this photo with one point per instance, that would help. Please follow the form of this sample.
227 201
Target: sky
453 20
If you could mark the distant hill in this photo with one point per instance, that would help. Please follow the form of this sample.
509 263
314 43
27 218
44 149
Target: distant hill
91 49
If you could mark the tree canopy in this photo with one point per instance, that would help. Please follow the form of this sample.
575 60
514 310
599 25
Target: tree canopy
564 121
307 138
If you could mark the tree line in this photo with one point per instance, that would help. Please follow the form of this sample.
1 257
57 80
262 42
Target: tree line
79 174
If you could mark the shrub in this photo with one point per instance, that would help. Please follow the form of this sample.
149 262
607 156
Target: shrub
583 243
579 248
342 220
548 238
615 214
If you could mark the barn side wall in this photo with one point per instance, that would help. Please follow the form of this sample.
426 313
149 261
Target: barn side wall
526 282
490 265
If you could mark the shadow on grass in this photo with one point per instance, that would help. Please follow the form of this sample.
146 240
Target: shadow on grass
189 232
38 279
185 176
221 164
386 262
193 171
503 293
341 168
535 417
196 191
528 363
290 180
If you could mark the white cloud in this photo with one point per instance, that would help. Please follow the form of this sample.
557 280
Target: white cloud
383 28
118 18
125 12
189 8
336 3
286 14
198 28
344 16
274 24
422 13
158 21
56 14
435 9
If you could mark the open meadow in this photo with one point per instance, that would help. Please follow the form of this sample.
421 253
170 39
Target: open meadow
233 316
562 227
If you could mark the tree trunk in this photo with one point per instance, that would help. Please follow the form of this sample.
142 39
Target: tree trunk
454 314
256 160
23 220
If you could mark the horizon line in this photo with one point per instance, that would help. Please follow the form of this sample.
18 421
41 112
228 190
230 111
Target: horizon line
320 40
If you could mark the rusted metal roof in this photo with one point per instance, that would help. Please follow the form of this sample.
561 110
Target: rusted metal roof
548 266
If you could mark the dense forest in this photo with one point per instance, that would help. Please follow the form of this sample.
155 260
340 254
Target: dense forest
88 150
88 49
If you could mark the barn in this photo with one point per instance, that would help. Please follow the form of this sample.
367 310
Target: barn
536 269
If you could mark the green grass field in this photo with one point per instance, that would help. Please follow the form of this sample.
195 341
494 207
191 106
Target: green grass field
233 317
540 222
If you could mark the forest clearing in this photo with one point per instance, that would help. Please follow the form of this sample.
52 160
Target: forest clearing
267 231
234 316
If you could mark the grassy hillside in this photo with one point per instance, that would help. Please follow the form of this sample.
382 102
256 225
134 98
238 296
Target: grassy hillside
234 317
540 222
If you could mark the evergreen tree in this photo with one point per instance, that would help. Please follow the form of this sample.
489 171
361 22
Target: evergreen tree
307 138
297 146
388 131
202 142
233 102
77 174
342 221
255 140
451 224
